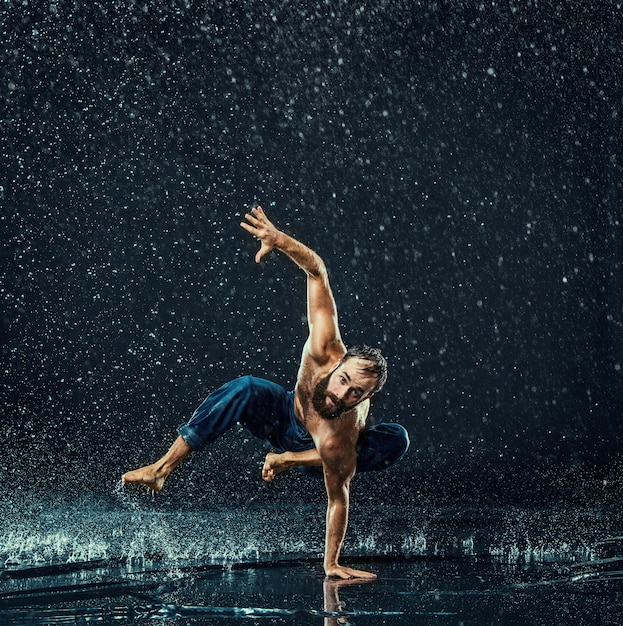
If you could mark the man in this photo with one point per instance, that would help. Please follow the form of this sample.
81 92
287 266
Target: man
321 424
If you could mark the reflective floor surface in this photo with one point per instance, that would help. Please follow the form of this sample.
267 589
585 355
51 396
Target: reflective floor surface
449 566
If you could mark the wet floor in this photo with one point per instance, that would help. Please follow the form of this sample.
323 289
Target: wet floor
443 591
448 566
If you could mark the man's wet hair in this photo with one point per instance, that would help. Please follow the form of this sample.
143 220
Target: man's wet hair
375 365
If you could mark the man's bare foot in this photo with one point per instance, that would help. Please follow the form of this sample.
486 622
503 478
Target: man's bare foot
148 476
273 464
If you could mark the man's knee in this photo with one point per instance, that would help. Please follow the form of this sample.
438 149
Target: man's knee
401 437
400 441
243 382
217 413
380 446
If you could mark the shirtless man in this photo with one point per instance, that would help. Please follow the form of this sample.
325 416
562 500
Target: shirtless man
322 423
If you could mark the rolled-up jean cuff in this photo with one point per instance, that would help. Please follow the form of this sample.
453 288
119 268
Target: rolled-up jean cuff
190 437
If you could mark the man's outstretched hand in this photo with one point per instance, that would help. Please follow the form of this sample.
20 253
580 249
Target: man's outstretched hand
259 225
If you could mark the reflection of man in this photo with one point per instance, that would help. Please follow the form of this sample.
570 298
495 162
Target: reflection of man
322 423
332 605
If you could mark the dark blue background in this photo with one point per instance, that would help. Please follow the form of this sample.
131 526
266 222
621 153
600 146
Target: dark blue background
457 165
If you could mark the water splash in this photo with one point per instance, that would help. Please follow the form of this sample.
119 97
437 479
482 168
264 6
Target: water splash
139 530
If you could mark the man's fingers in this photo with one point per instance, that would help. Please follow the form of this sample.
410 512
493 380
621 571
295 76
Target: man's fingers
346 573
257 214
256 225
264 250
248 227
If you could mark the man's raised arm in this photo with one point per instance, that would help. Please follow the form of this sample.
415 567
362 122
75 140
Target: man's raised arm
325 340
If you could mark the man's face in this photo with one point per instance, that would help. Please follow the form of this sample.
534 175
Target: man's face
342 389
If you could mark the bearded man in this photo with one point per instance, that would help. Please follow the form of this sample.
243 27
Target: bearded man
321 424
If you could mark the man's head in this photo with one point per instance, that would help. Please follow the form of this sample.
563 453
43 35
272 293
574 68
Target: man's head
360 373
371 362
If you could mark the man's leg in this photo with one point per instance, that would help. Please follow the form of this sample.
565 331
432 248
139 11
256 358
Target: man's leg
380 446
276 463
153 476
216 414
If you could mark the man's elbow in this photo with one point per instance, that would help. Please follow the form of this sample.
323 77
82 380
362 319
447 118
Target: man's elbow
339 472
318 271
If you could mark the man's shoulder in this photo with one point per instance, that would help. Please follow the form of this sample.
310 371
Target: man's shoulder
323 355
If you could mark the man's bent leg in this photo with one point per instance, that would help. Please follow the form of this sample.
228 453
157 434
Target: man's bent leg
153 476
276 463
223 408
217 413
378 447
381 446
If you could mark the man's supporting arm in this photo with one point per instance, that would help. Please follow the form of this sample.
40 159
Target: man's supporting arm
337 481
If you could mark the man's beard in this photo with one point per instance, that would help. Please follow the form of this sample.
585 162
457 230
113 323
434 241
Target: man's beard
319 401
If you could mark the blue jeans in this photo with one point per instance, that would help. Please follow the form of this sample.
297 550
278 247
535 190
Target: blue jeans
267 411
